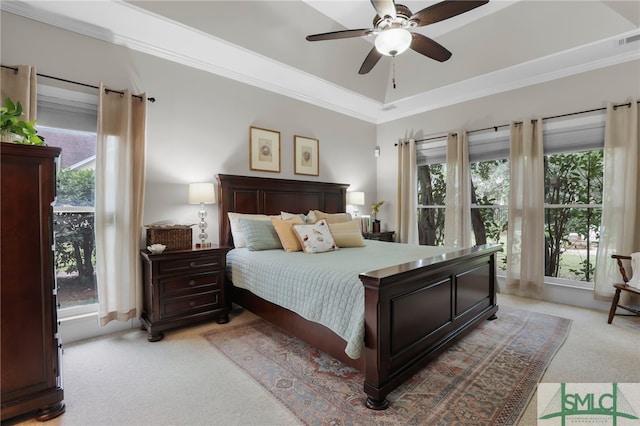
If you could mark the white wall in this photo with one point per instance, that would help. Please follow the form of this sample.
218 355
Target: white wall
567 95
199 126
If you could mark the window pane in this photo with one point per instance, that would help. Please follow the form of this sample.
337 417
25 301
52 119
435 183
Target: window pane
431 192
490 188
571 233
571 236
74 216
574 178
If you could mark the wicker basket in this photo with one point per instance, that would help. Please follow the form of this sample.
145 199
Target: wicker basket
174 237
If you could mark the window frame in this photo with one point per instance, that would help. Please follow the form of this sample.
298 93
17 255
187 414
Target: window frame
560 135
78 110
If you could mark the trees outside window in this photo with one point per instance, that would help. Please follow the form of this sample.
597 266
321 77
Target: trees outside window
431 190
74 216
573 198
573 210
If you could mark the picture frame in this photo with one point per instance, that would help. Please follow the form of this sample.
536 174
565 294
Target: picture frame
264 149
306 156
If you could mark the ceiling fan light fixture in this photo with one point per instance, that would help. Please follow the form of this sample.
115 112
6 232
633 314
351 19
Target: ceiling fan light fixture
393 41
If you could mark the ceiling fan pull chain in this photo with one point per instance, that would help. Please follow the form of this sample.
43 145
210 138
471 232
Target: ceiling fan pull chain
393 65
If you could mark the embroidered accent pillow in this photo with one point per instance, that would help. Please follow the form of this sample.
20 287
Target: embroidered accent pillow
315 238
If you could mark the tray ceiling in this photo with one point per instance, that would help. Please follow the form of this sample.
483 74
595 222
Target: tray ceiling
497 47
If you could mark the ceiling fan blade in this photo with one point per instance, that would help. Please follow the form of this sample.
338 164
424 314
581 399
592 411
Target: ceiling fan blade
428 47
444 10
370 61
335 35
384 8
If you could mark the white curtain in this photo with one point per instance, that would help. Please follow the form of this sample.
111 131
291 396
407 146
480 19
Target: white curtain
457 212
407 199
120 174
20 85
525 233
620 226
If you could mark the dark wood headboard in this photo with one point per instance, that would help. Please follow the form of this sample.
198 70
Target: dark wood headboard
258 195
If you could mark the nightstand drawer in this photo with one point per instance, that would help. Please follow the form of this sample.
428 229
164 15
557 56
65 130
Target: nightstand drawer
187 305
199 263
190 284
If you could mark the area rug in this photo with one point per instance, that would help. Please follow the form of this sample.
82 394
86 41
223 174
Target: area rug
487 378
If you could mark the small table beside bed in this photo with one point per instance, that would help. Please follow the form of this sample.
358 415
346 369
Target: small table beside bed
385 309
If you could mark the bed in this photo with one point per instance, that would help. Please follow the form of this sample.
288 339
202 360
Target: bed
412 310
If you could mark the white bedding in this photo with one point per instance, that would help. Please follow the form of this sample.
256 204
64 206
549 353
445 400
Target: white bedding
322 287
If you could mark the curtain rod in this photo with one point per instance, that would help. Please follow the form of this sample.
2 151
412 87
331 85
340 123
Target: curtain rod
495 128
152 100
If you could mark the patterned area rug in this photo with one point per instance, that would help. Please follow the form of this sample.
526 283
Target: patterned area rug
487 378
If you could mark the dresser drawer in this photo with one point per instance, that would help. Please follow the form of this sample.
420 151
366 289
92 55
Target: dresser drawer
182 306
168 287
199 263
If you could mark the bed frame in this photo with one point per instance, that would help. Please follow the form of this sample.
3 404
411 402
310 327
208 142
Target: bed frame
413 311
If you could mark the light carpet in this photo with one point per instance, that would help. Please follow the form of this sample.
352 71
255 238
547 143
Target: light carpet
488 377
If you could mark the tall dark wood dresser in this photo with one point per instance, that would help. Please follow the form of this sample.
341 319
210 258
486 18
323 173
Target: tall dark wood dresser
30 353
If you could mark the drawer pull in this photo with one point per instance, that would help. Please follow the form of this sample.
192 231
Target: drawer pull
192 283
192 264
192 303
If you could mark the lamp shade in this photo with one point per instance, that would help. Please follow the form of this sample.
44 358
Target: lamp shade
393 41
355 198
201 193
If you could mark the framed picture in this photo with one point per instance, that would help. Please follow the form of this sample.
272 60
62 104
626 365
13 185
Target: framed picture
306 156
264 149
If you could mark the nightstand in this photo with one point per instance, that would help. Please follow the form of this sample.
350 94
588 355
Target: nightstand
380 236
182 287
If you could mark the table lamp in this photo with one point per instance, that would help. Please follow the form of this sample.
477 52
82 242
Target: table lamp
355 198
202 193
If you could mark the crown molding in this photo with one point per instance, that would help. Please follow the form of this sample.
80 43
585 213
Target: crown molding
126 25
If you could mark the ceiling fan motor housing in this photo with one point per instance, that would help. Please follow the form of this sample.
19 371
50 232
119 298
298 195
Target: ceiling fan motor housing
401 20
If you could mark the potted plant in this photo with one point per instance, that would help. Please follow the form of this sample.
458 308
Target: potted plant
375 207
12 129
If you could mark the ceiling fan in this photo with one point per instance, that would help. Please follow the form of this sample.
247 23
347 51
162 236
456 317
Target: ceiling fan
391 27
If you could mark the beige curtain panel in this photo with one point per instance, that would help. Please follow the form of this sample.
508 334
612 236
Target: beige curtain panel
457 212
407 203
20 86
119 204
525 233
620 230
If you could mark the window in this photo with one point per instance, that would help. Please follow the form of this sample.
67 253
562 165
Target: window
573 194
489 201
573 209
431 191
490 189
73 216
67 119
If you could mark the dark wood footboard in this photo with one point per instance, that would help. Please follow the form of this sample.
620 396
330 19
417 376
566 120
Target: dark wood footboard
416 310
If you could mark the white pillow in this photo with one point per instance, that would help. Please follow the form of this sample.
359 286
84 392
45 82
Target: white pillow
315 238
289 216
236 229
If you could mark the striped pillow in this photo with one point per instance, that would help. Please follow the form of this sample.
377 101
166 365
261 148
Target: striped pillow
347 234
